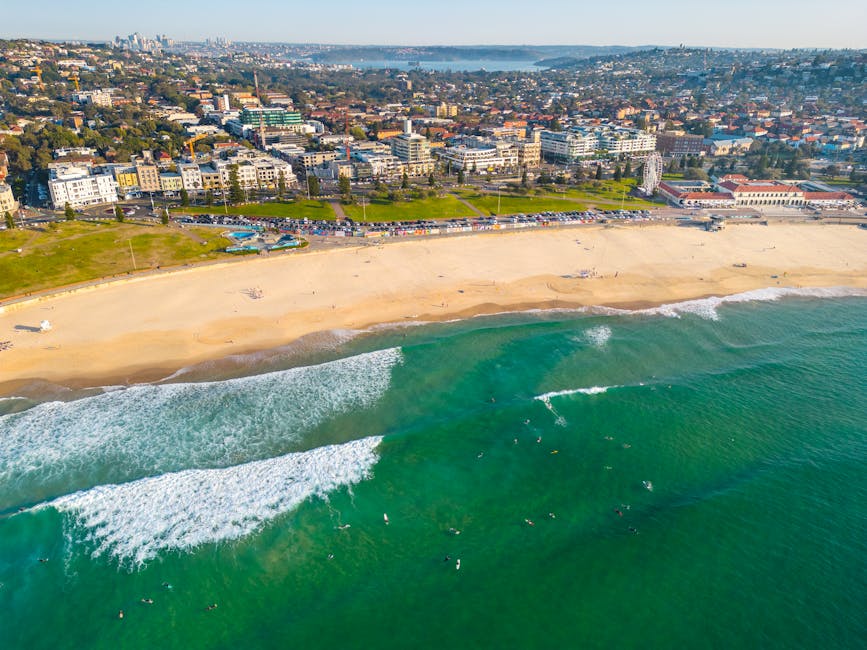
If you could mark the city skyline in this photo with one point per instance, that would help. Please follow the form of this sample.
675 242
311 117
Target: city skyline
669 23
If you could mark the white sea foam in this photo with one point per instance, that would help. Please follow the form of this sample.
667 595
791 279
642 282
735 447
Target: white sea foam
592 390
134 522
707 307
54 447
598 335
546 398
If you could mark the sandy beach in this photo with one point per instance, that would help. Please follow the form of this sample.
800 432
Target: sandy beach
146 328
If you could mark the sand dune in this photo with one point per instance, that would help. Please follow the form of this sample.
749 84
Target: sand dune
147 327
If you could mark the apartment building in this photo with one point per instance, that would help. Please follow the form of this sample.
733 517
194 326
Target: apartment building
413 150
148 177
566 146
80 188
7 200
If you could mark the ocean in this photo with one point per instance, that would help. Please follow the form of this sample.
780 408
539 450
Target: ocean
458 65
687 476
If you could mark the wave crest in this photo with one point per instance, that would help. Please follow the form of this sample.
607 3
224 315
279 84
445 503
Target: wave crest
150 429
134 522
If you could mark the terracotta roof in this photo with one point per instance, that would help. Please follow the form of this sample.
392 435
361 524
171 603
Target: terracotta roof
828 196
706 196
760 186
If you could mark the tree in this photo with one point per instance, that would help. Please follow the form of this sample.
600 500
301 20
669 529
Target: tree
68 212
118 213
460 177
525 181
209 198
185 198
164 218
695 174
236 194
345 188
313 185
627 171
404 182
10 222
431 180
281 185
618 175
598 172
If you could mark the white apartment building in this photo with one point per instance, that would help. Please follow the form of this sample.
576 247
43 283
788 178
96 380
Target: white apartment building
413 150
7 200
566 145
78 187
95 97
191 177
473 159
619 141
579 143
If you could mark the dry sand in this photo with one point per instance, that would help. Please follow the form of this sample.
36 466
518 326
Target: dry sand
146 328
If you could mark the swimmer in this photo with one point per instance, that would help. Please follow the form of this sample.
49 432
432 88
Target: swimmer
516 441
493 400
481 453
552 515
555 451
385 518
529 522
527 421
331 556
619 513
539 439
120 614
344 526
608 467
148 601
43 560
626 446
454 531
458 565
447 558
166 585
608 438
210 607
633 530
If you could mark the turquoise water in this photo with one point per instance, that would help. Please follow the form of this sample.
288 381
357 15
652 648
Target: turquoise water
747 418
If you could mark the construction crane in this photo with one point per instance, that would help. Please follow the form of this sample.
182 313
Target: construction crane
37 70
261 108
189 143
74 78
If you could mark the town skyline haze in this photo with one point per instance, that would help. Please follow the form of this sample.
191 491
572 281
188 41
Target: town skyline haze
667 23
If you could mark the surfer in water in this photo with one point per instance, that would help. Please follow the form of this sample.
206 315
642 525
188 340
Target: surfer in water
385 518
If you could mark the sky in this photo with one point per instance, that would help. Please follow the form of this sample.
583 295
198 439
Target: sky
735 23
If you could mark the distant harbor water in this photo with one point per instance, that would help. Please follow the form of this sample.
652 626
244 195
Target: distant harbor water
687 476
467 65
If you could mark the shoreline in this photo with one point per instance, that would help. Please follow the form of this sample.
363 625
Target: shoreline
148 327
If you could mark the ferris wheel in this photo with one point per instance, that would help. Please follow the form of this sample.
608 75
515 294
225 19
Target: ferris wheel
652 173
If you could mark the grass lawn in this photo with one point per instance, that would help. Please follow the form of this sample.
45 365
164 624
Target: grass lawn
291 209
70 252
487 203
445 207
610 194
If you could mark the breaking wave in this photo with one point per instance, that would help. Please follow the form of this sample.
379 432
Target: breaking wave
592 390
145 430
707 307
133 522
598 335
